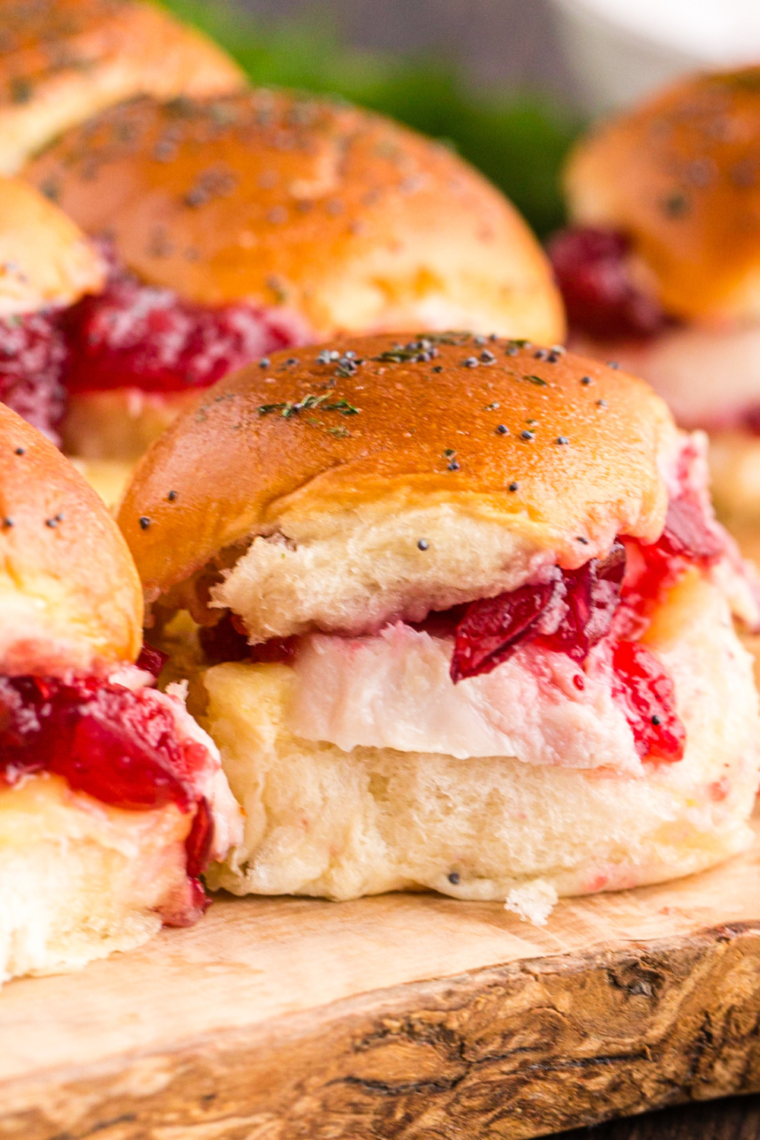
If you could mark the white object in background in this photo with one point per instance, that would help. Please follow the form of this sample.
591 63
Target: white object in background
621 49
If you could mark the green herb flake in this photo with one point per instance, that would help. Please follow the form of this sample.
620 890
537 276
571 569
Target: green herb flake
452 336
287 408
536 380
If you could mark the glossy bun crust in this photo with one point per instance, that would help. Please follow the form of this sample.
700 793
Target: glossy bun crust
347 219
680 174
578 463
44 257
69 594
63 60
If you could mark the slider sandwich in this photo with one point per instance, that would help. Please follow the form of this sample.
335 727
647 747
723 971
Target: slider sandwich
64 60
46 266
237 226
659 269
112 799
461 616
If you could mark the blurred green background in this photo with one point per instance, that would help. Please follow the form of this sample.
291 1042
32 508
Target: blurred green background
518 138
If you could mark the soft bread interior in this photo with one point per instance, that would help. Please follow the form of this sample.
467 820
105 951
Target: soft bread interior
389 561
322 821
79 879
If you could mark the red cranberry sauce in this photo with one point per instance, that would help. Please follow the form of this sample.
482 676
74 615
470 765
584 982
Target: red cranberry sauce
32 360
228 641
575 609
592 275
646 692
139 336
115 744
569 614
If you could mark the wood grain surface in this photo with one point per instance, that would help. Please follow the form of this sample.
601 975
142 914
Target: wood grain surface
399 1017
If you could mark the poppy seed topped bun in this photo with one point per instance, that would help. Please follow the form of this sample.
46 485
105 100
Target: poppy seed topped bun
69 594
679 176
335 504
44 257
346 219
112 799
63 60
385 478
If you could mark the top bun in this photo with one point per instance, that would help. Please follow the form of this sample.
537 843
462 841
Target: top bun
680 175
500 456
44 257
62 60
69 595
350 221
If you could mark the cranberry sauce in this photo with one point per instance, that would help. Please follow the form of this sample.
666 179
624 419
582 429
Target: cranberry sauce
32 359
650 570
116 745
574 610
228 641
139 336
643 688
592 275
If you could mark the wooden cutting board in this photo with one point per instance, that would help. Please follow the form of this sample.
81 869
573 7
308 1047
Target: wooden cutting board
399 1017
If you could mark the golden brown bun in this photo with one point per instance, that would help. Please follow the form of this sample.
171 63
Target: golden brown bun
63 60
69 594
680 175
425 436
44 257
349 220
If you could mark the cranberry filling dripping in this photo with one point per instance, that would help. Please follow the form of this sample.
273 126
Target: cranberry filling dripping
116 745
647 694
140 336
32 359
590 268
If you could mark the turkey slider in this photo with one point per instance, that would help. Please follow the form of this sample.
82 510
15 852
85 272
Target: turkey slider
660 268
462 621
259 221
112 799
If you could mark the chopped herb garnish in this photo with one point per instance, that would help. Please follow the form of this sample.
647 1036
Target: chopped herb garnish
451 337
287 408
536 380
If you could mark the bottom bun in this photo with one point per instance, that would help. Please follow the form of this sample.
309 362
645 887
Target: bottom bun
79 880
321 821
120 424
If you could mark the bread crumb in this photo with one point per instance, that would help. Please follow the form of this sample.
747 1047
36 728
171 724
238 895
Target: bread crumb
178 690
534 902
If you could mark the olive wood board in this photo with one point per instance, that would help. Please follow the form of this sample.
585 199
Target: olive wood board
398 1017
